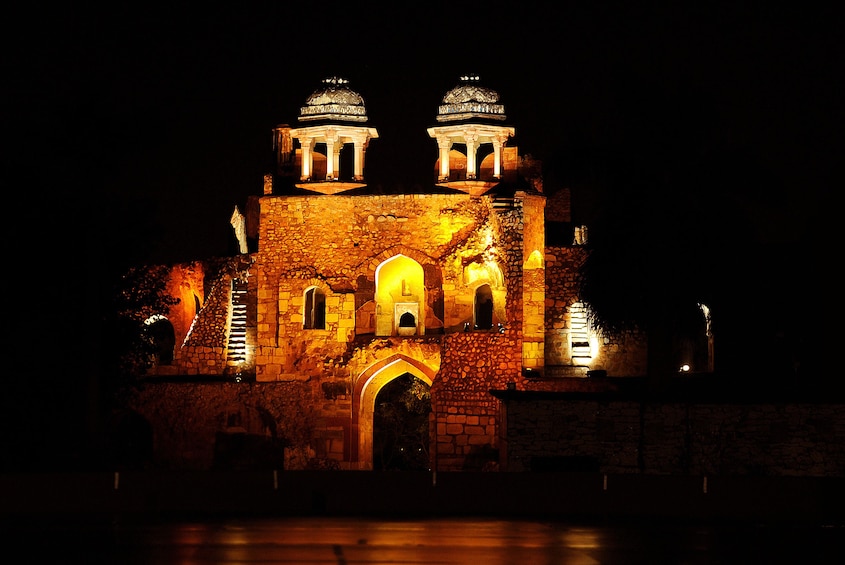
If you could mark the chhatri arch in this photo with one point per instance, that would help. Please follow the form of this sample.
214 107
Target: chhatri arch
366 389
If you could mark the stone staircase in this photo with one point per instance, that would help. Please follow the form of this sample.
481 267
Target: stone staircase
579 335
236 350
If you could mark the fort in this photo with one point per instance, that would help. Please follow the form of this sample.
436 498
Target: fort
284 355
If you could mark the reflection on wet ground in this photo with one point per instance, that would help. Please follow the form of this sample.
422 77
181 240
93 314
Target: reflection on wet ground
347 540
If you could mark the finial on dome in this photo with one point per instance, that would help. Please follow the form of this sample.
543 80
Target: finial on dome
334 100
470 100
335 81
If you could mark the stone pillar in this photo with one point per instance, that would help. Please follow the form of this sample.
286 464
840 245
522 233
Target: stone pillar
360 145
498 144
307 144
333 146
444 144
284 148
471 138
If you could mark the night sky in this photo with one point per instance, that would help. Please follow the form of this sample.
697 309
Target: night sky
154 124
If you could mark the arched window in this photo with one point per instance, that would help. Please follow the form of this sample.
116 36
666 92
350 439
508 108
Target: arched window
407 320
315 309
483 307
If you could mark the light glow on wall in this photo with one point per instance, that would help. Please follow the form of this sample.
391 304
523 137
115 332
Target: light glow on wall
584 343
399 282
535 260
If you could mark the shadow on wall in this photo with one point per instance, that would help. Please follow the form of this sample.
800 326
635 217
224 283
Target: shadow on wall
482 458
247 452
129 441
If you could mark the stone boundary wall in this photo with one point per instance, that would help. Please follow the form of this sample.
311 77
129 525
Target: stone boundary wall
189 423
187 419
676 438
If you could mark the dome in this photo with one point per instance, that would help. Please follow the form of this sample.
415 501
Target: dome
335 101
470 100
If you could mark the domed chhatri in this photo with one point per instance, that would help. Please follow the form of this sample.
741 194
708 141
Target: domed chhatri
470 100
470 116
334 101
333 116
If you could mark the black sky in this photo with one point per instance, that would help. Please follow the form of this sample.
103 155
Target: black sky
147 126
170 111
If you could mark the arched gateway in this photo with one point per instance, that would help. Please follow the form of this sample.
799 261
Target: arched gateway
367 386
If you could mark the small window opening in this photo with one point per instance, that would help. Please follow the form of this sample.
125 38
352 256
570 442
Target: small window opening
315 309
407 320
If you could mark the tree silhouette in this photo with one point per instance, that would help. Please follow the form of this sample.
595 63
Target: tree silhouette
670 231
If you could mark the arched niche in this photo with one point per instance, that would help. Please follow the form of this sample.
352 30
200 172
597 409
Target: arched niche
400 288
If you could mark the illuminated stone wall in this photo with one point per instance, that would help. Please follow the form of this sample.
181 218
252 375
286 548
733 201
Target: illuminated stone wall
371 256
533 280
199 324
336 243
465 413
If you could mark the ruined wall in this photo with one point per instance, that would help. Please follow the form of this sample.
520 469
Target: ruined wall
200 320
624 354
192 423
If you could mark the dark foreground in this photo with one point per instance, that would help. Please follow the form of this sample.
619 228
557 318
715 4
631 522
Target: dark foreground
447 518
591 496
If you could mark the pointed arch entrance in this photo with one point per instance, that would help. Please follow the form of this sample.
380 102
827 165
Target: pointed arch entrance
368 385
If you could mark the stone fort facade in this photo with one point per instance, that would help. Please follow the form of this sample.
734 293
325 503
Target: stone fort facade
339 290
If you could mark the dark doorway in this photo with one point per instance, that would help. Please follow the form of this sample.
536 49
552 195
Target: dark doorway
400 425
163 339
483 307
